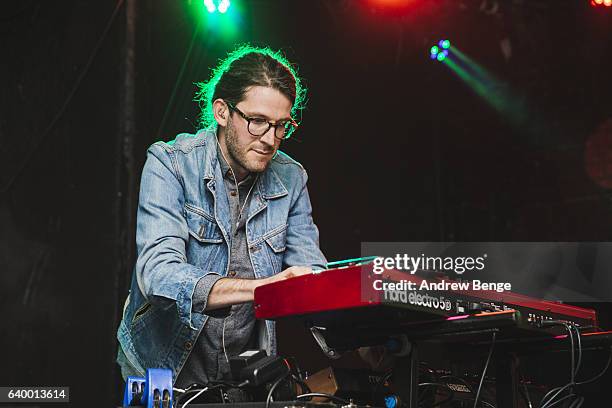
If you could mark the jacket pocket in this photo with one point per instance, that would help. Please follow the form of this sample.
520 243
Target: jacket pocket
202 226
142 311
276 241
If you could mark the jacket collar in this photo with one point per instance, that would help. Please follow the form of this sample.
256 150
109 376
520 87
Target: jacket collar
269 184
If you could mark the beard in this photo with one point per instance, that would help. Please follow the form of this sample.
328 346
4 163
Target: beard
239 153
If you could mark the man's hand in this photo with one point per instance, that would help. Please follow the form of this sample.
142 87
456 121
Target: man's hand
228 291
288 273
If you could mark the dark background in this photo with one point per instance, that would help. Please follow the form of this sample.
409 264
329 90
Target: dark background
398 148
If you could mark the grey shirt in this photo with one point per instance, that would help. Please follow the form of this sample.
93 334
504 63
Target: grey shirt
228 331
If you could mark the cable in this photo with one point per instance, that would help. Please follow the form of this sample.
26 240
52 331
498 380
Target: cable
322 395
38 140
484 372
551 398
276 383
200 392
598 376
305 388
573 352
433 384
386 377
579 341
567 397
554 392
223 330
525 393
577 403
190 390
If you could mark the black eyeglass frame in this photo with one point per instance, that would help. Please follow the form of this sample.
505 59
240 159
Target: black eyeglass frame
288 132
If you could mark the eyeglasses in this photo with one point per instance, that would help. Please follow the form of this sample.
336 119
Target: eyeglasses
260 126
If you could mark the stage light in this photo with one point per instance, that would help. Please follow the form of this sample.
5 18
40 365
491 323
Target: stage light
217 5
434 51
391 3
210 6
606 3
441 51
223 6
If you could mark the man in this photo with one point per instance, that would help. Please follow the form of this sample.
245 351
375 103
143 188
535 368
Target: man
220 213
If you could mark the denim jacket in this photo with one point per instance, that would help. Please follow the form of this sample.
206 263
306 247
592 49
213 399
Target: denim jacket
182 232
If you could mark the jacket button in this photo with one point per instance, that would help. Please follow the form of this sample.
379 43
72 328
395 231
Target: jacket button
188 345
232 273
255 248
233 193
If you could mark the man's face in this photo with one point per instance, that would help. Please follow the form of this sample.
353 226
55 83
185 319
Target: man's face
245 152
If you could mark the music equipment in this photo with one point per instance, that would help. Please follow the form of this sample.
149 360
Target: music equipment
363 386
358 299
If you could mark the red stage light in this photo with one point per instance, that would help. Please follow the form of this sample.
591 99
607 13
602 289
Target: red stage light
391 4
596 3
395 8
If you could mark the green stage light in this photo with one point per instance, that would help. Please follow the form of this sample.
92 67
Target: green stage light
223 6
440 51
218 21
210 6
217 5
